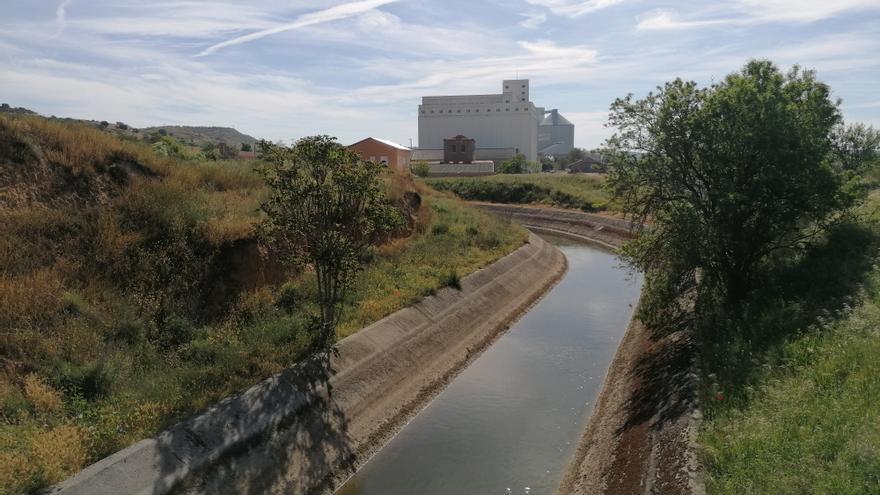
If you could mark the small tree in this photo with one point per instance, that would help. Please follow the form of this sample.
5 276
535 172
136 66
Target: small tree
728 175
325 208
856 146
246 147
420 168
516 165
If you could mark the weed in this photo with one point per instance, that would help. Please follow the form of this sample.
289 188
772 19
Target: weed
451 279
43 398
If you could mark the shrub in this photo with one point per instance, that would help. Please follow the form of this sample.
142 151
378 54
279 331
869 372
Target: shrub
13 404
451 279
60 452
172 332
42 397
90 381
440 229
420 168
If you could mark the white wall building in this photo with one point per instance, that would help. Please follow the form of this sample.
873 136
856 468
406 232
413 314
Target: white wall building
506 122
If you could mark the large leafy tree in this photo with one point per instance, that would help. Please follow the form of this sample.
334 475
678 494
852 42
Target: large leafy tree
325 208
720 178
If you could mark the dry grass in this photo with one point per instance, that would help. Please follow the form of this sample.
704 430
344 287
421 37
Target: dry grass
60 451
44 399
79 148
104 333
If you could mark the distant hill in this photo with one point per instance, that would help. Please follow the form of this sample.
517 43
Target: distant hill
198 136
189 135
6 108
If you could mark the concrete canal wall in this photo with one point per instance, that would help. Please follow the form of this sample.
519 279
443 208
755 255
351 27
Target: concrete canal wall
311 426
641 435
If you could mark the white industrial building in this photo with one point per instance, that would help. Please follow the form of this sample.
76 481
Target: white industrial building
501 124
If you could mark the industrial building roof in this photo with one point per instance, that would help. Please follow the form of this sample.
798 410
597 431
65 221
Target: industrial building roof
386 142
553 117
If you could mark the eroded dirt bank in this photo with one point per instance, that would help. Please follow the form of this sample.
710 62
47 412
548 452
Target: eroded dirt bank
640 436
308 428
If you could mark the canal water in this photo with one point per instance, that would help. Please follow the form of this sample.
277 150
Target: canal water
510 422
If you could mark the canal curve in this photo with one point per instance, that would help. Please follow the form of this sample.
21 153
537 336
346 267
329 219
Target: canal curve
511 421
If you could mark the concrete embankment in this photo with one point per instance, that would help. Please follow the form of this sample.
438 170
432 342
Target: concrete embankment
308 428
605 231
640 437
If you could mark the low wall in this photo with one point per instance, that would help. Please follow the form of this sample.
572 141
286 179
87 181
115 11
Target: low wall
308 428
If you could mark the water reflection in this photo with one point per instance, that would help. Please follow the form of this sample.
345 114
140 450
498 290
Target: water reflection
510 421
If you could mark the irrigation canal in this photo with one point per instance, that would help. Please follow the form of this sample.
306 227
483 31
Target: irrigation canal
511 421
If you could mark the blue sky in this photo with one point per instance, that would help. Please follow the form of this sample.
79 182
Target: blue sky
282 70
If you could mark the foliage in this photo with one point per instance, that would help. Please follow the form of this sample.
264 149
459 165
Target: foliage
797 374
856 147
567 191
325 208
246 147
516 165
420 168
728 175
167 146
112 324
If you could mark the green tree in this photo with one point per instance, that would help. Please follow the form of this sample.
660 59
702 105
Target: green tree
246 147
727 176
856 146
516 165
420 168
326 207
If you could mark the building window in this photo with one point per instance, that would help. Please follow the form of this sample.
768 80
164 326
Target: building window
478 110
468 110
523 85
522 99
506 87
506 101
424 111
432 111
458 111
516 109
507 109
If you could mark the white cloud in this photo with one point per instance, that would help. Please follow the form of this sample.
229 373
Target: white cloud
337 12
574 8
802 10
665 20
60 17
533 19
749 12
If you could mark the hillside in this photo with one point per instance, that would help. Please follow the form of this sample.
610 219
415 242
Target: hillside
198 136
133 291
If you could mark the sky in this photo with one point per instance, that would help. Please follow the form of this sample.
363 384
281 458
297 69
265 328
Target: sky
281 70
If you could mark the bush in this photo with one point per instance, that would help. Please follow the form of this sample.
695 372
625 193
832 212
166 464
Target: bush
440 229
420 168
510 192
451 279
89 381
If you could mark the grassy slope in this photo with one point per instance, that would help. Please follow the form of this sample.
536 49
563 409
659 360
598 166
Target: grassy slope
801 415
105 337
580 191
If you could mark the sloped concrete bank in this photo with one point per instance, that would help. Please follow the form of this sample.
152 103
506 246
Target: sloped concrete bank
308 428
604 231
640 437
